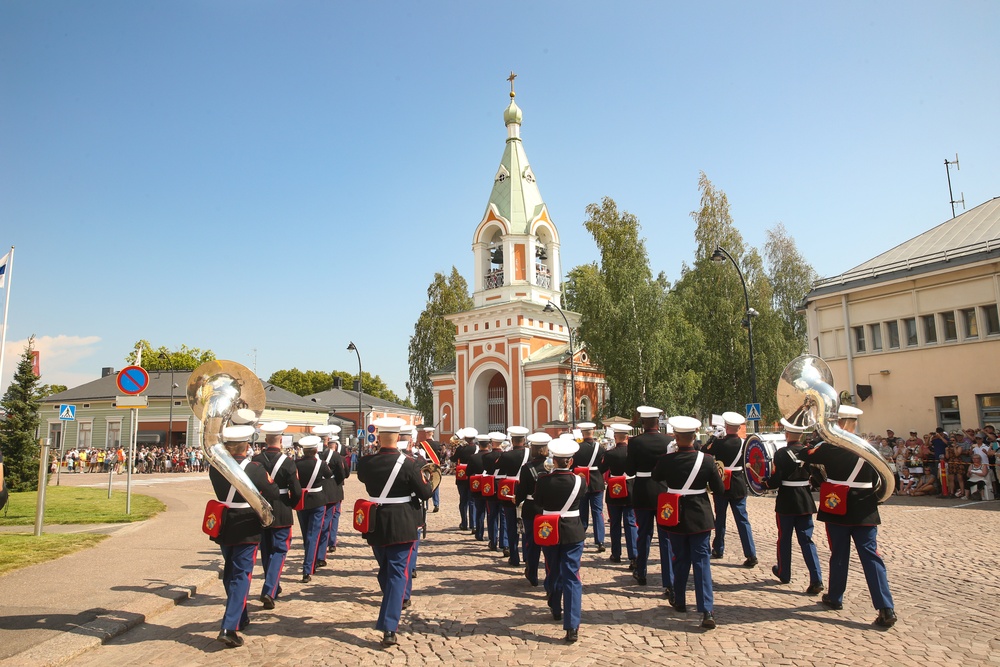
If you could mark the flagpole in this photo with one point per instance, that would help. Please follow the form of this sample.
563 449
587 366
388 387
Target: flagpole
6 304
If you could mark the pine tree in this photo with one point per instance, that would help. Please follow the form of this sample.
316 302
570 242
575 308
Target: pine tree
17 431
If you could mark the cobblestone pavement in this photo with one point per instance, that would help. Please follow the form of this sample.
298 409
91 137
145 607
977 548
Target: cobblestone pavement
470 607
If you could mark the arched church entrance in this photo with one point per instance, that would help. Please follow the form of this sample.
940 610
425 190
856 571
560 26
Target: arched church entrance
496 402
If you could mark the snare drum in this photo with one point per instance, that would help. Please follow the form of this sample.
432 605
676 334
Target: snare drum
757 456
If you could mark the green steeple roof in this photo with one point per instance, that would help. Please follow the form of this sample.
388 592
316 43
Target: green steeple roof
515 193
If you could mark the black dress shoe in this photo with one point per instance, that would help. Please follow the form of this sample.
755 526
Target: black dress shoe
601 548
750 562
640 580
680 607
268 601
631 563
333 549
886 617
668 594
406 604
533 582
461 527
230 638
572 636
716 554
814 589
437 509
306 578
615 559
556 615
389 638
775 572
413 575
506 553
321 563
708 621
829 602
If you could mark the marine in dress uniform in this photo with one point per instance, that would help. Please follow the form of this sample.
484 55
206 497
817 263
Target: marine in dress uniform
240 533
425 434
396 484
510 465
277 538
729 451
538 444
620 508
478 516
460 457
689 473
329 452
495 525
590 455
561 493
641 456
794 508
859 523
313 472
408 446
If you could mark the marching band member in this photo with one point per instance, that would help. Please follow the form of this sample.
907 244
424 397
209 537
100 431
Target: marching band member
686 474
510 465
641 456
849 506
333 488
240 532
794 507
475 471
591 455
460 457
313 471
495 526
396 485
619 496
408 446
729 451
559 496
425 435
524 496
277 538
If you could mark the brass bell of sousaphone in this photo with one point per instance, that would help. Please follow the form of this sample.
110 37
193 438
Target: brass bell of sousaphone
215 391
806 397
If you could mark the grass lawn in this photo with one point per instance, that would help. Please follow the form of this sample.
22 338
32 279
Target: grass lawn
77 505
19 550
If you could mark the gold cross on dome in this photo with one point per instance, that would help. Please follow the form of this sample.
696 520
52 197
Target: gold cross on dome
511 79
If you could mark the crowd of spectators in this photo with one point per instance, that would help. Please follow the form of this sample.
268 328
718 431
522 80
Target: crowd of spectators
965 459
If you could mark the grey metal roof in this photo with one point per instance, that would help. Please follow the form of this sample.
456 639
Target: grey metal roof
970 237
343 399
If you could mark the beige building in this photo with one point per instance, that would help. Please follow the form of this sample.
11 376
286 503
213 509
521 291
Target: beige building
913 335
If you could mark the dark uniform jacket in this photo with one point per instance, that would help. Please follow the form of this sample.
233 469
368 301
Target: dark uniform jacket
395 523
614 463
793 500
438 449
476 467
491 463
862 505
285 477
642 453
582 458
461 455
526 487
551 492
333 486
317 497
727 450
241 524
510 466
696 515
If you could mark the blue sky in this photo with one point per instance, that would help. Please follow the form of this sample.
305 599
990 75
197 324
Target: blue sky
286 177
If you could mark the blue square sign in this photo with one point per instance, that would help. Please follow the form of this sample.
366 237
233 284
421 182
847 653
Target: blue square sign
753 412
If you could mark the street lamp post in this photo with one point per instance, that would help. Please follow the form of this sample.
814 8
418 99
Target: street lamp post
361 419
720 256
549 307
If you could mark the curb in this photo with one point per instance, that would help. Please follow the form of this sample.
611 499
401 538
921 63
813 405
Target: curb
60 650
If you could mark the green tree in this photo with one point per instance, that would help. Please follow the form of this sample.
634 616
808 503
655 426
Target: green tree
305 383
163 359
432 345
48 389
791 279
629 321
17 430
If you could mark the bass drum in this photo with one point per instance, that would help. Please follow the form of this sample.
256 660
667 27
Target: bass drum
757 456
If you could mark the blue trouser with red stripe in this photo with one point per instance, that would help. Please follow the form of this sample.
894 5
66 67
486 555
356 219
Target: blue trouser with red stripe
802 525
393 575
562 565
865 541
692 550
236 574
510 523
274 544
310 522
333 511
324 532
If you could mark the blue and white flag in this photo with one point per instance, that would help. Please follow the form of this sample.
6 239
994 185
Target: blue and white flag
3 269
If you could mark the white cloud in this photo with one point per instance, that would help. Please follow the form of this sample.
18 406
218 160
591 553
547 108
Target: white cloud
58 358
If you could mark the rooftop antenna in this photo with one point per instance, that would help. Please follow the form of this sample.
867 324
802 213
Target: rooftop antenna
951 195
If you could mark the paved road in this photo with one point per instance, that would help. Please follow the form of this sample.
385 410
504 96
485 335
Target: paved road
470 607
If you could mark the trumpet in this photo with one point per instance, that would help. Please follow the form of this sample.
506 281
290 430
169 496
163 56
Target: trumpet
431 473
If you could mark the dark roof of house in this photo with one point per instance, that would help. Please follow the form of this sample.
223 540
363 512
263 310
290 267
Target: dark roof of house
973 236
106 389
344 399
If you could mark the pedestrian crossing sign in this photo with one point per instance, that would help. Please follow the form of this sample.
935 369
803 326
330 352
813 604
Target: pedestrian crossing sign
67 413
753 412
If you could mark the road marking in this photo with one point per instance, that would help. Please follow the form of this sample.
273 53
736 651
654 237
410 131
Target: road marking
953 507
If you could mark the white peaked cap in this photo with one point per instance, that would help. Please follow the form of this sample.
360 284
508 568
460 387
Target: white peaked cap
849 412
470 432
620 428
244 416
647 412
239 433
539 439
321 430
309 442
497 436
517 430
792 428
734 418
586 425
563 447
271 428
684 424
389 424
